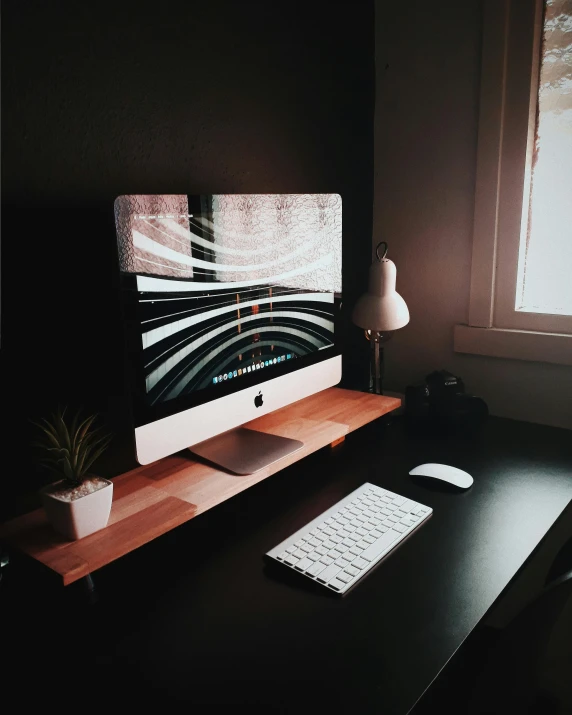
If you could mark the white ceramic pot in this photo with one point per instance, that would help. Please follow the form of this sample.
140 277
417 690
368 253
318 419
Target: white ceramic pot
75 518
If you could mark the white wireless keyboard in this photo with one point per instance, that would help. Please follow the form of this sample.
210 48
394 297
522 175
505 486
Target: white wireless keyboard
344 543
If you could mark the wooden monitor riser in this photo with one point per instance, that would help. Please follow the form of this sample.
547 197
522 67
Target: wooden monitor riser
150 500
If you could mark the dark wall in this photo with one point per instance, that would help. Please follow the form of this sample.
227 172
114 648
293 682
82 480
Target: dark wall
103 99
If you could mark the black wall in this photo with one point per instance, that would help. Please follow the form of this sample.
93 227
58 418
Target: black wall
102 99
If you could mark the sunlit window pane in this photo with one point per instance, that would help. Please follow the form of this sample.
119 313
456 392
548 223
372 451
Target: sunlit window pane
545 258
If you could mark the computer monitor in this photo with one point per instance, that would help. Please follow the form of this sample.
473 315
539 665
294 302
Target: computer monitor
230 305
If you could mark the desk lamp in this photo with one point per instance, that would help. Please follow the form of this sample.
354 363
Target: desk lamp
380 312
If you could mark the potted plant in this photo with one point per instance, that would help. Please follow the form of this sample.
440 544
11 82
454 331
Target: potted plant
78 503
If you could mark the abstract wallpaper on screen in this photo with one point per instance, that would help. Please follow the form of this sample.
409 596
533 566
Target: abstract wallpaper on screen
242 284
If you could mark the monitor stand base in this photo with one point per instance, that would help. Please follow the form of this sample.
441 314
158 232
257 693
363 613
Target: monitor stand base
244 451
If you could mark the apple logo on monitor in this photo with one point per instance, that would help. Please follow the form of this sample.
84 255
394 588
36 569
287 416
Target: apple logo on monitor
258 400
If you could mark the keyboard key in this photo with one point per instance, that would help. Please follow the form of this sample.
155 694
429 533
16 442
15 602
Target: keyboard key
407 505
380 545
386 512
369 539
355 523
336 539
348 542
400 528
352 571
300 542
329 521
316 569
329 573
342 520
291 560
314 556
399 514
306 547
329 544
346 578
314 542
361 532
343 533
336 584
303 564
407 522
398 501
360 563
375 534
327 560
356 550
283 555
369 513
320 536
328 531
291 549
341 562
299 554
321 550
361 545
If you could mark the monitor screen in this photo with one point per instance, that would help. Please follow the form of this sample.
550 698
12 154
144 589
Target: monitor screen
223 292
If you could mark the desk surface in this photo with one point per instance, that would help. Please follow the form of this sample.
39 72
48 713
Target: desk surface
224 630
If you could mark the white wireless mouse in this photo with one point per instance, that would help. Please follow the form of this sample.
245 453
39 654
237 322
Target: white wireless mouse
445 473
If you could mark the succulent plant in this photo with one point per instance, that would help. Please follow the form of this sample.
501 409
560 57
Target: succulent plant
69 448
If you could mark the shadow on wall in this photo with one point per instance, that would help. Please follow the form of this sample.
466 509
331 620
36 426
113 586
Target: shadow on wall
90 114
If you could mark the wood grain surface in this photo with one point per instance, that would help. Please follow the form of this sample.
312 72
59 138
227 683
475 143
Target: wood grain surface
150 500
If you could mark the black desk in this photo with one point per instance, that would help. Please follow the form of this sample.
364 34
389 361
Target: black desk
195 619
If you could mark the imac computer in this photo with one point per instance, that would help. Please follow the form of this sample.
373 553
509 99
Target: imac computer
230 306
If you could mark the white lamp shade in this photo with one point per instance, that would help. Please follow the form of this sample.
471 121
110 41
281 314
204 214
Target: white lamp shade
381 309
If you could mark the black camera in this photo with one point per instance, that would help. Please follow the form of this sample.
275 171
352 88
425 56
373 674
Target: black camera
441 403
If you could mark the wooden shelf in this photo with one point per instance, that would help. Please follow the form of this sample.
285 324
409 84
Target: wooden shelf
150 500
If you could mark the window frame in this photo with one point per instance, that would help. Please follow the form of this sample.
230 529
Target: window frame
512 34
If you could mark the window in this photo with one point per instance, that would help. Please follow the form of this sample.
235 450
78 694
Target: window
521 273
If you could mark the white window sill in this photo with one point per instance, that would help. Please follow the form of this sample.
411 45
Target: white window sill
514 344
